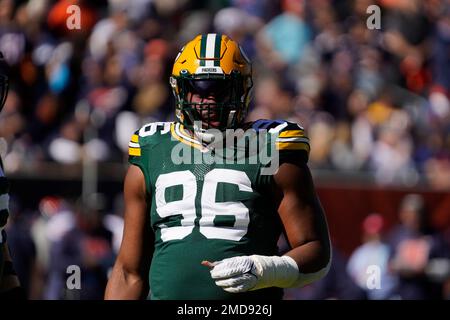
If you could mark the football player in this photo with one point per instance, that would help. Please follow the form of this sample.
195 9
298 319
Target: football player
208 229
9 282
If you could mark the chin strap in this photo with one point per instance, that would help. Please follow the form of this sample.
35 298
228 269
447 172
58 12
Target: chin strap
231 117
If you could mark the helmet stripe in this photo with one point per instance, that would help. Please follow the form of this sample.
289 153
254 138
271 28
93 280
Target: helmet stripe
210 48
217 48
202 50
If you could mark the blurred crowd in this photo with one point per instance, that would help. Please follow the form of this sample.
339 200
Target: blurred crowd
372 100
65 244
406 260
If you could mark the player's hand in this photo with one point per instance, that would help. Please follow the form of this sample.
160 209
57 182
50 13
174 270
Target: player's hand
234 275
246 273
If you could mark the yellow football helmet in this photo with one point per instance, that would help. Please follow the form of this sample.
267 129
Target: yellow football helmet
212 64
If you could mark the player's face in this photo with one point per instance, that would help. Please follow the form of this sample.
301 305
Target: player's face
208 98
209 114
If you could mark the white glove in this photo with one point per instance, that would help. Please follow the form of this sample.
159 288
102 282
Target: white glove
254 272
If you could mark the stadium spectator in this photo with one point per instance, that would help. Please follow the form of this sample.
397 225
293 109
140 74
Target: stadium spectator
373 253
414 248
89 246
374 102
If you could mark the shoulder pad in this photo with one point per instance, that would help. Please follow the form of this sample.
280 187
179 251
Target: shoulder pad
291 136
152 128
275 125
290 139
266 124
288 135
145 134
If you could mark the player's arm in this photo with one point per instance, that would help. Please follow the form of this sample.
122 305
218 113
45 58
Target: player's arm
304 222
306 230
130 272
9 282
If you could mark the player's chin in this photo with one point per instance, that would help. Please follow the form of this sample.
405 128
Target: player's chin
211 124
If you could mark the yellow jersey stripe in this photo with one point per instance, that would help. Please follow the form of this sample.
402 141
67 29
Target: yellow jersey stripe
291 133
185 135
292 146
183 140
135 138
134 152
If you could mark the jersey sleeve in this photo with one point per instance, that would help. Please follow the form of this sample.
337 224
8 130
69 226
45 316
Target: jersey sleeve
292 143
287 143
134 150
140 147
138 156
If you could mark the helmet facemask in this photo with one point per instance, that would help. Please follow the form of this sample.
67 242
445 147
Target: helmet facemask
214 69
228 92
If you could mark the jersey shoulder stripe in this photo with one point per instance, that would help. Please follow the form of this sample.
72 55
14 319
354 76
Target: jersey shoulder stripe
134 148
288 135
145 135
292 137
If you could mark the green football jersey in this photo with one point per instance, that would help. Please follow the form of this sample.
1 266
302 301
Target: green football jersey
211 202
